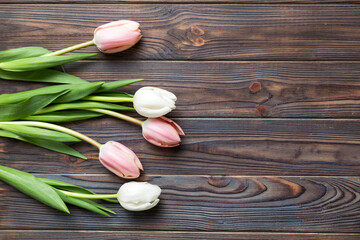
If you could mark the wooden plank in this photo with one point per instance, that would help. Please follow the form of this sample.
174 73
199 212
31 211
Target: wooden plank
204 203
237 89
190 31
212 146
164 235
179 1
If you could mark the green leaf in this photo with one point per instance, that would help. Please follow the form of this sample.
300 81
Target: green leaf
27 107
99 206
24 52
113 94
36 63
30 185
117 84
71 188
83 105
76 91
65 186
35 132
44 75
63 116
82 203
51 145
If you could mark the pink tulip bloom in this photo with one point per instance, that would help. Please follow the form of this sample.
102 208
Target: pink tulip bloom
117 36
162 132
120 160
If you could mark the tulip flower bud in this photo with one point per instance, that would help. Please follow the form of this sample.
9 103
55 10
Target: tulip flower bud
120 160
153 102
162 132
117 36
138 196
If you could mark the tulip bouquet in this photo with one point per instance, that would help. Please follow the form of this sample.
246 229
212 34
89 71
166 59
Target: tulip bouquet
30 116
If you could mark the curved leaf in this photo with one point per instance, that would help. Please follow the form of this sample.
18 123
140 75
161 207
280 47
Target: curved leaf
23 52
14 111
117 84
65 186
76 91
51 145
44 75
63 116
82 203
36 63
71 188
30 185
83 105
35 132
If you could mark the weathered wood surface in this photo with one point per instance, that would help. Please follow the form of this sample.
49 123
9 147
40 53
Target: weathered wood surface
204 203
237 89
179 1
196 32
212 146
282 129
164 235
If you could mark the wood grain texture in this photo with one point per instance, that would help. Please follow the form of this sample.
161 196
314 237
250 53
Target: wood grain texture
223 146
178 1
237 89
164 235
204 203
229 89
195 32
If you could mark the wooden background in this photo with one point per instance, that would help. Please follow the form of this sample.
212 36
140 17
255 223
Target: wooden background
268 95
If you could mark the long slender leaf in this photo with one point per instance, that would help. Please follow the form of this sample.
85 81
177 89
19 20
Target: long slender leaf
114 97
63 116
27 107
24 52
117 84
30 185
82 203
35 132
71 188
83 105
99 206
79 91
113 94
44 75
76 91
42 62
51 145
65 186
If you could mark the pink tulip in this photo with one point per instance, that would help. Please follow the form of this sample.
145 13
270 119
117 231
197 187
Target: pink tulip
120 160
162 132
117 36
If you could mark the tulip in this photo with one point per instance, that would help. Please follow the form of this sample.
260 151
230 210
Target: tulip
153 102
138 196
162 132
120 160
117 36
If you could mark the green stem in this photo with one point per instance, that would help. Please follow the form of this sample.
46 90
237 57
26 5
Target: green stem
117 115
108 99
70 49
57 128
88 196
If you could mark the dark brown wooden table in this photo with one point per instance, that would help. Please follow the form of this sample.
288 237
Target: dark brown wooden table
268 95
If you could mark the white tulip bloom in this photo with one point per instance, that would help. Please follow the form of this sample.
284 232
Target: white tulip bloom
153 102
138 196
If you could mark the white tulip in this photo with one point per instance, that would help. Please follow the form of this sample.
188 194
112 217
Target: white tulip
153 102
138 196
